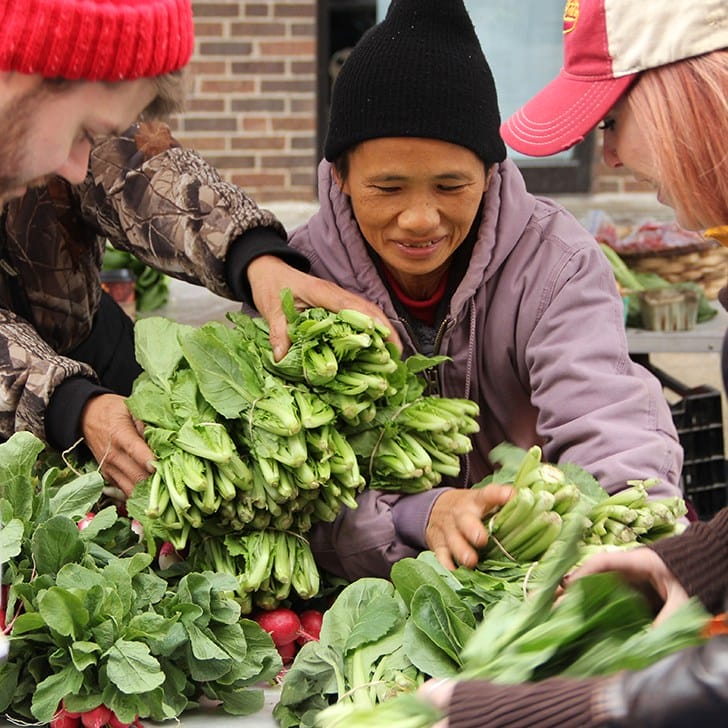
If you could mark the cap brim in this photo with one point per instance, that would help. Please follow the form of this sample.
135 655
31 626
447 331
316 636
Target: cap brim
562 114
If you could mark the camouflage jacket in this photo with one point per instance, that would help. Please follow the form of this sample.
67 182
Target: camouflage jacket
145 194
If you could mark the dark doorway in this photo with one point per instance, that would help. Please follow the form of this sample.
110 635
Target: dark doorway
341 23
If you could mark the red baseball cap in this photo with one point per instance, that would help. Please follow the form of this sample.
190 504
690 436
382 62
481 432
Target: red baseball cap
607 43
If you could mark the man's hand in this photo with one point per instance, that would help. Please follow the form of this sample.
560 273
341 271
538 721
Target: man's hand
645 570
115 440
269 275
455 530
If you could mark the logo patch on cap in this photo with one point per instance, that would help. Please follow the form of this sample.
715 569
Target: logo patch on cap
571 15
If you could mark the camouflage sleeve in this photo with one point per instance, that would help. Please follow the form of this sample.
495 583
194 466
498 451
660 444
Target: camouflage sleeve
29 373
166 205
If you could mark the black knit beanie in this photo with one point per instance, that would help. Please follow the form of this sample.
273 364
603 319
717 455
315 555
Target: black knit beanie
419 73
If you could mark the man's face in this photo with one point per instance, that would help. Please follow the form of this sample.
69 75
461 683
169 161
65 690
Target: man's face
46 130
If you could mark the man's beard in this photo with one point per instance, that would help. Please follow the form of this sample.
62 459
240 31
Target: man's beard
13 145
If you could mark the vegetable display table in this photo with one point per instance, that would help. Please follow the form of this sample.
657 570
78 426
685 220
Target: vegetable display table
704 338
212 718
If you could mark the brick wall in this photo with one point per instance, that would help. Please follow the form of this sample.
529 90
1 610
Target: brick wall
251 104
252 100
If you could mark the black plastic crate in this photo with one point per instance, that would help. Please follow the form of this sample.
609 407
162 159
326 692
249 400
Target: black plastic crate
698 417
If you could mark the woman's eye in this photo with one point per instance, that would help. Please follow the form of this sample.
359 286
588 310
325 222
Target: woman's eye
607 124
452 188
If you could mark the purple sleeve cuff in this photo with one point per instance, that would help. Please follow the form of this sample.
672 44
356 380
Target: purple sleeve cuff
411 514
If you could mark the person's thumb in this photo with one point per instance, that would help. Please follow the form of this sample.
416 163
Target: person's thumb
676 597
278 335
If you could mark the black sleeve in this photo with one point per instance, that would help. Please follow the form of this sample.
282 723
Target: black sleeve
63 413
109 351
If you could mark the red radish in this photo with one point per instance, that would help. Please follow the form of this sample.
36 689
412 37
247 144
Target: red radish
288 652
168 556
65 719
310 626
114 722
137 528
282 624
85 520
96 718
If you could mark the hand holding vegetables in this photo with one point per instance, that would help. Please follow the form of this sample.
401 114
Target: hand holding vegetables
456 529
116 442
269 276
641 568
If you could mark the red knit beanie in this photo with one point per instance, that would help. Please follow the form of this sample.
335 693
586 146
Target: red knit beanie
95 40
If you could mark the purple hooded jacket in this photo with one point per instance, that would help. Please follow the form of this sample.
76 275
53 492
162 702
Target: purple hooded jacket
536 336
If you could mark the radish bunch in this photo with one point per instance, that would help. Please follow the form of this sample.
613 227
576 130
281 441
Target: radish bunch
290 630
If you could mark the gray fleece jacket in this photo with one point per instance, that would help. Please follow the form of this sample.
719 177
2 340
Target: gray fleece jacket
535 333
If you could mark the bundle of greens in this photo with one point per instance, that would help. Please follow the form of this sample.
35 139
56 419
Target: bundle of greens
268 566
598 627
91 623
248 444
359 659
524 528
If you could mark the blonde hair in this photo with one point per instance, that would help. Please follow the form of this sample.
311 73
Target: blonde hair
683 109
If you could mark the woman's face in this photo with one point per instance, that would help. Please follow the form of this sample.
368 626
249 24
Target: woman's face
625 145
415 201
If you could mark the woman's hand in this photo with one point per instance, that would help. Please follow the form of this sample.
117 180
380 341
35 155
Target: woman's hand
455 530
115 440
269 275
645 570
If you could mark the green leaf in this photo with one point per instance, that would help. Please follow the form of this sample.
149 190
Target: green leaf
50 691
55 543
203 647
104 519
84 654
77 497
63 611
342 617
374 622
408 575
76 576
17 459
240 701
9 672
11 540
28 622
425 655
157 347
132 669
152 403
438 622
